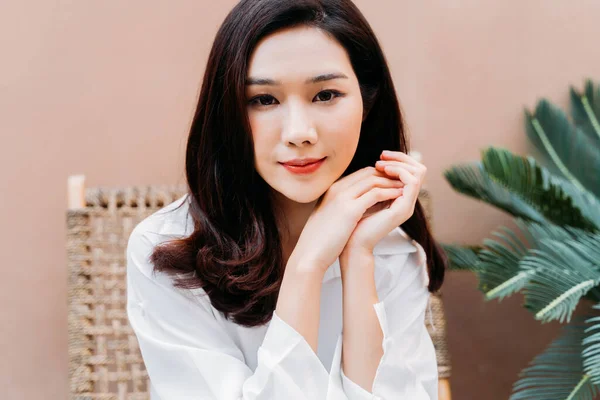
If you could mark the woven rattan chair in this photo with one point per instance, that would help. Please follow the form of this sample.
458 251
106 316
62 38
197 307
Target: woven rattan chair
104 358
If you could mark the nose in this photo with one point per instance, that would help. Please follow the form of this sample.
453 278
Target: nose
299 129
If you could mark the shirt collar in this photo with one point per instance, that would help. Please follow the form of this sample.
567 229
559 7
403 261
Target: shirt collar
396 242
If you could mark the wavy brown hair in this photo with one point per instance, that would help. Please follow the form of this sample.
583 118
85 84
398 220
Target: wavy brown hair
235 251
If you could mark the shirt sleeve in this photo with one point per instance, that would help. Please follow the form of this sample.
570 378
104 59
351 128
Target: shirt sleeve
408 368
188 354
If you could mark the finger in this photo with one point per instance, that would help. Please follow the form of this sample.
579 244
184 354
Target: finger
402 173
380 165
417 172
360 175
361 187
382 205
378 194
399 156
411 189
413 183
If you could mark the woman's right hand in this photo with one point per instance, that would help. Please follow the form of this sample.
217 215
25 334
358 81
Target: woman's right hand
338 212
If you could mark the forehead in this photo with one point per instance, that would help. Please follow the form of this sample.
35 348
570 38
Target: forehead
298 51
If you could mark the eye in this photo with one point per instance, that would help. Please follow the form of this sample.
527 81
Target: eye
263 100
328 95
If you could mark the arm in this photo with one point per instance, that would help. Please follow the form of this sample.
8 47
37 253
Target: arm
408 367
189 355
362 340
301 281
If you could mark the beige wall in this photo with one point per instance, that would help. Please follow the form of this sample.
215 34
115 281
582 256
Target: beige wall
107 89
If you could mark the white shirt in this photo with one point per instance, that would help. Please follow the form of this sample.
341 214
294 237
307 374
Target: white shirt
191 352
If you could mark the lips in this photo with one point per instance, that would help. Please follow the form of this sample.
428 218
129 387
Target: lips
303 166
302 162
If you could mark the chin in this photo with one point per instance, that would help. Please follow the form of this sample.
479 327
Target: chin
301 194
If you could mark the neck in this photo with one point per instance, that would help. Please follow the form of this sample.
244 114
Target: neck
292 220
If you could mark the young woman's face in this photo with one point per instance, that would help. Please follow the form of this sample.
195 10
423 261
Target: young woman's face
304 102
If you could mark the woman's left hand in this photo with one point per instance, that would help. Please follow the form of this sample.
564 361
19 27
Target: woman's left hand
375 226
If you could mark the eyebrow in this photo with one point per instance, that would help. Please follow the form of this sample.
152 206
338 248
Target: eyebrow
314 79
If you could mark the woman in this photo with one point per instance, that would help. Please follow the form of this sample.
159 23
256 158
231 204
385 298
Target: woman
299 265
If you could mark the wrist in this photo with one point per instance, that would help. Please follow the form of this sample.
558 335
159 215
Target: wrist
356 251
305 265
357 258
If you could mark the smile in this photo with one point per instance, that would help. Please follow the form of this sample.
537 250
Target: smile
304 169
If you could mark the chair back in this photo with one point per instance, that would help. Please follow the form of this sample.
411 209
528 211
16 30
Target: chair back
104 358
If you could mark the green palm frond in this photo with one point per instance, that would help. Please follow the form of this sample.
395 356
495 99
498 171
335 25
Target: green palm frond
553 257
525 177
591 348
585 108
563 275
500 274
521 187
535 233
554 267
498 263
573 152
586 202
557 373
462 258
501 271
471 180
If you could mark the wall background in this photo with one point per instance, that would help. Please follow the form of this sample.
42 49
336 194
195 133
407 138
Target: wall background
107 89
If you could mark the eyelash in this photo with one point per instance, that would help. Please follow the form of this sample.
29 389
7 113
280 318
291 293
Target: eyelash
255 101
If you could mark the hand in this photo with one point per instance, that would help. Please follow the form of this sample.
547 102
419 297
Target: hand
383 218
337 213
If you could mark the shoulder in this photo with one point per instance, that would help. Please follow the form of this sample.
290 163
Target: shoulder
170 222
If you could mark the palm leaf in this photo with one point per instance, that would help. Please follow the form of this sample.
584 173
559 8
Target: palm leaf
563 275
462 258
498 263
572 151
591 351
585 108
501 272
557 373
471 180
524 177
535 233
554 256
587 203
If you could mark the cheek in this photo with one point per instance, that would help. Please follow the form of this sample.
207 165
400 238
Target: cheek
264 137
344 125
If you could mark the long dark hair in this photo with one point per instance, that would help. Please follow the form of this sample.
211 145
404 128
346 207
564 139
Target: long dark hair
235 251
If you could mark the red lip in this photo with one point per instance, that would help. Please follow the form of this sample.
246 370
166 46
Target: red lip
303 166
302 161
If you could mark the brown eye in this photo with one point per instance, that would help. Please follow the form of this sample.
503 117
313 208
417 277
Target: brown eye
263 100
327 95
266 100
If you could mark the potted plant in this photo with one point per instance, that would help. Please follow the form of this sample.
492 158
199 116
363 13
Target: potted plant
553 256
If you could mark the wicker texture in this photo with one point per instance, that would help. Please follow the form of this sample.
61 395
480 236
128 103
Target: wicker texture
104 358
437 315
